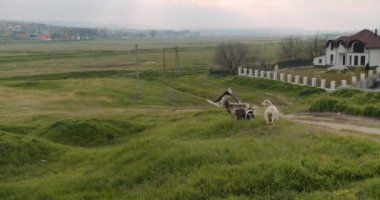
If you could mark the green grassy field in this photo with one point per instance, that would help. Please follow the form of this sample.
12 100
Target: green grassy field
72 132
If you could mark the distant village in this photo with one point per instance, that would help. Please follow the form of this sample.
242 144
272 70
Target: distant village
14 30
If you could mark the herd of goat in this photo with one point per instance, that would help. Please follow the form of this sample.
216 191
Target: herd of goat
243 111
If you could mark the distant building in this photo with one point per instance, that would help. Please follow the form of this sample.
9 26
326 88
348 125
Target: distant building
22 36
44 37
358 50
33 37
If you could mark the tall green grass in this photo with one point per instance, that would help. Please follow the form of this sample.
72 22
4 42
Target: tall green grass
348 101
202 157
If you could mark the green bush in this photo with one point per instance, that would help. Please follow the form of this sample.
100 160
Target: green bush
348 101
294 63
219 72
323 105
310 91
346 93
371 111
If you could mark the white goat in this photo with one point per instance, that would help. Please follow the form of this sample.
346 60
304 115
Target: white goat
271 114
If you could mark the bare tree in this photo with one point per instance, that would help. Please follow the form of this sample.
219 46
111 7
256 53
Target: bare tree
232 55
316 46
153 33
300 48
287 47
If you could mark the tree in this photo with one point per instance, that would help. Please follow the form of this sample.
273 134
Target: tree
293 47
153 33
316 46
232 55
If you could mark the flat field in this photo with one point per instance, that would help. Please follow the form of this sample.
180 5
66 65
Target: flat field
75 124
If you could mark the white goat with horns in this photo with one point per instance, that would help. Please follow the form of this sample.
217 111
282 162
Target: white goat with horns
271 114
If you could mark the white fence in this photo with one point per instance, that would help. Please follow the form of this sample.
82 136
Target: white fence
362 83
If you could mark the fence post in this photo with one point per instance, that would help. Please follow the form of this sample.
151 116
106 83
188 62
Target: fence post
305 80
268 75
239 71
362 76
245 72
257 73
354 81
289 78
250 72
370 73
275 76
262 74
282 77
297 79
332 85
314 82
323 83
344 83
363 81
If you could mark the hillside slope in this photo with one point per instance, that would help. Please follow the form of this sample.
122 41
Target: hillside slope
166 142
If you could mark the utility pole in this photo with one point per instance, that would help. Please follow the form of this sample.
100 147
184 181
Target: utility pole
137 72
164 61
177 67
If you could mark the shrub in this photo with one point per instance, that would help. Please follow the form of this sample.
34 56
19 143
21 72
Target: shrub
346 92
220 72
348 101
310 91
323 105
353 111
371 111
294 63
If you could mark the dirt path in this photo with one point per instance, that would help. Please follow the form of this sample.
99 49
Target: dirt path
338 122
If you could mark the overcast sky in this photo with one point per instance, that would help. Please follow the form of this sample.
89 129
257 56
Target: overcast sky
203 14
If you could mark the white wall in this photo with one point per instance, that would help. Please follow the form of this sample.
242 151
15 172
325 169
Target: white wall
374 56
317 59
328 54
341 49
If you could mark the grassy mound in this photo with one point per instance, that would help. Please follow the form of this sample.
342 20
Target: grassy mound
90 132
21 151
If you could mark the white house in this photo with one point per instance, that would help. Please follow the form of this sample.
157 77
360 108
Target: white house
358 50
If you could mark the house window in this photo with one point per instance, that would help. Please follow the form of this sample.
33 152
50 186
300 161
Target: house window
350 60
320 61
331 46
331 59
356 60
358 47
362 60
344 60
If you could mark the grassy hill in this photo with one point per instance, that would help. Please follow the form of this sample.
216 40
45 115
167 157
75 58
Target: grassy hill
90 134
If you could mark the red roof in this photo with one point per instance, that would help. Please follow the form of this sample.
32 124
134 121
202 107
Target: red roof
367 37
